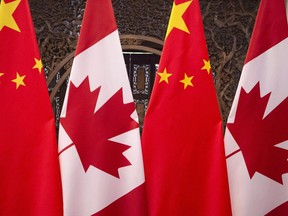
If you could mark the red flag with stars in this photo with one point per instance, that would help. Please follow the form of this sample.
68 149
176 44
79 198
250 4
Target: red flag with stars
30 181
99 140
256 137
183 146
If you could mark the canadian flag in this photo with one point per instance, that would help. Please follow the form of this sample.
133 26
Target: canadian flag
99 141
256 138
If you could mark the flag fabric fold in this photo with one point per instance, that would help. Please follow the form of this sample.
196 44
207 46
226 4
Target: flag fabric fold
99 140
30 181
183 146
256 135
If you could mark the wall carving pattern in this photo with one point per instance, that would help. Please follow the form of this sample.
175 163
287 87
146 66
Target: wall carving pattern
228 26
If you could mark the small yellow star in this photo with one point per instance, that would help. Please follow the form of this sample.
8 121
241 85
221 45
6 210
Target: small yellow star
38 65
1 74
19 80
207 66
6 18
164 76
176 20
187 81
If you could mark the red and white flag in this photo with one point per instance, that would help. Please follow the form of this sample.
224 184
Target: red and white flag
99 141
256 139
30 181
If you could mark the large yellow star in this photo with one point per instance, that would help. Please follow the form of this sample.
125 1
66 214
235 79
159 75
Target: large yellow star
19 80
176 20
187 81
6 18
164 76
207 66
38 65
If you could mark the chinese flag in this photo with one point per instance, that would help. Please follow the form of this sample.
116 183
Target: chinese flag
99 141
183 145
256 137
30 181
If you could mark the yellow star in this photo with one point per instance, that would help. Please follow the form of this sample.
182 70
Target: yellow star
38 65
176 20
19 80
164 76
6 18
1 74
207 66
187 81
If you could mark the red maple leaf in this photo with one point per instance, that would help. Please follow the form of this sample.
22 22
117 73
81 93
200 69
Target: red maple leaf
280 210
90 132
257 135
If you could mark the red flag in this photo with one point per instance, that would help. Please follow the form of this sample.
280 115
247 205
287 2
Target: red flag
30 176
99 142
256 137
183 145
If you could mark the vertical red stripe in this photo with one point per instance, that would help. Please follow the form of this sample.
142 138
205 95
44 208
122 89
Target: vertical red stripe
103 23
270 27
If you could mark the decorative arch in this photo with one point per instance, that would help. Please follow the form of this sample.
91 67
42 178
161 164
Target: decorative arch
128 43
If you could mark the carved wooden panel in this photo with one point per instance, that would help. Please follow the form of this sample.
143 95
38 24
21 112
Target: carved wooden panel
228 26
